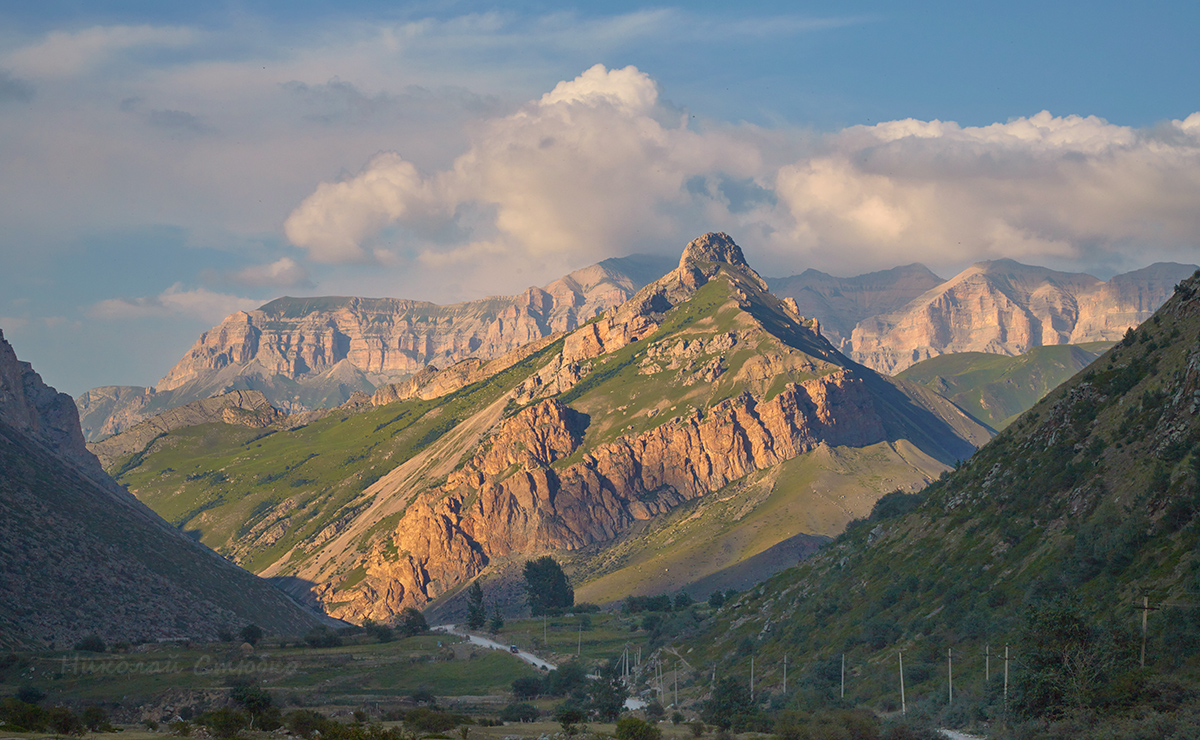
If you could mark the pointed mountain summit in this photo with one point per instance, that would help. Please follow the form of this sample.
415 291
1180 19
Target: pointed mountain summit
602 445
712 247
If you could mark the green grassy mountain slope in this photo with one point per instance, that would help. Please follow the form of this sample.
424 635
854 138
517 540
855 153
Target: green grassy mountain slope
1048 539
702 379
996 389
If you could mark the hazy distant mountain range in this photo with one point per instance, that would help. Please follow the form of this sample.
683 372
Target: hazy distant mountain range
308 353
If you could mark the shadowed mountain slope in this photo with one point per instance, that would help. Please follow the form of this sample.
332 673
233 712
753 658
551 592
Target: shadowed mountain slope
1048 539
996 389
81 556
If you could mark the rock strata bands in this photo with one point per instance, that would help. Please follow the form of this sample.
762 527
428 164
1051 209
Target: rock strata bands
510 498
309 353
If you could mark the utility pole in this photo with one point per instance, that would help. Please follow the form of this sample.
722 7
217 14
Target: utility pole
751 678
1006 680
950 673
579 647
903 706
785 675
987 665
677 683
1145 612
843 695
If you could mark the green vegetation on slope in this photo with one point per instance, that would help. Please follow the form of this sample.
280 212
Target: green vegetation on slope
996 389
683 365
1047 540
756 520
253 495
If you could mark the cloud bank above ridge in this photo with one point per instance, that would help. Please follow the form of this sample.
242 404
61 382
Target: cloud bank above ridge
601 166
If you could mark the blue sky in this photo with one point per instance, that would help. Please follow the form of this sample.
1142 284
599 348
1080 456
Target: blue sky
163 164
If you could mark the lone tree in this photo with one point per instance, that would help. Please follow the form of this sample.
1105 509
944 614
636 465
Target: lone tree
251 633
412 622
546 586
497 622
476 611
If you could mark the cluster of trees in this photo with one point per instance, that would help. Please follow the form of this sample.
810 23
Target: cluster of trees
601 698
660 603
411 622
666 603
477 613
27 715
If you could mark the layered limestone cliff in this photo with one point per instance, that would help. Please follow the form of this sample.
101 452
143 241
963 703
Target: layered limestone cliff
1004 307
510 498
841 302
308 353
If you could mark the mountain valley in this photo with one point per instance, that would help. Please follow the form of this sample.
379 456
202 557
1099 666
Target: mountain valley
702 379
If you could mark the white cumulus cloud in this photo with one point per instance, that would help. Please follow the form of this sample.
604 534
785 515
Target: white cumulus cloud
598 162
1032 188
601 166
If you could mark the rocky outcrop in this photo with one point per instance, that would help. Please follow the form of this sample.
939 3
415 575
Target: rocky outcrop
538 484
1004 307
243 408
307 353
30 406
509 498
840 303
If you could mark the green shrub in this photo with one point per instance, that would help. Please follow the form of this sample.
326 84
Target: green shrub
305 723
425 720
322 637
96 719
224 723
91 644
20 716
529 687
632 728
64 722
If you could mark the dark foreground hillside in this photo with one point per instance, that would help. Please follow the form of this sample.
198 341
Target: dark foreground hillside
1049 542
80 556
76 562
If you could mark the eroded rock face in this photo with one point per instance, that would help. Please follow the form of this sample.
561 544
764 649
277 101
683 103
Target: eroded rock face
510 498
332 347
391 338
1004 307
34 408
